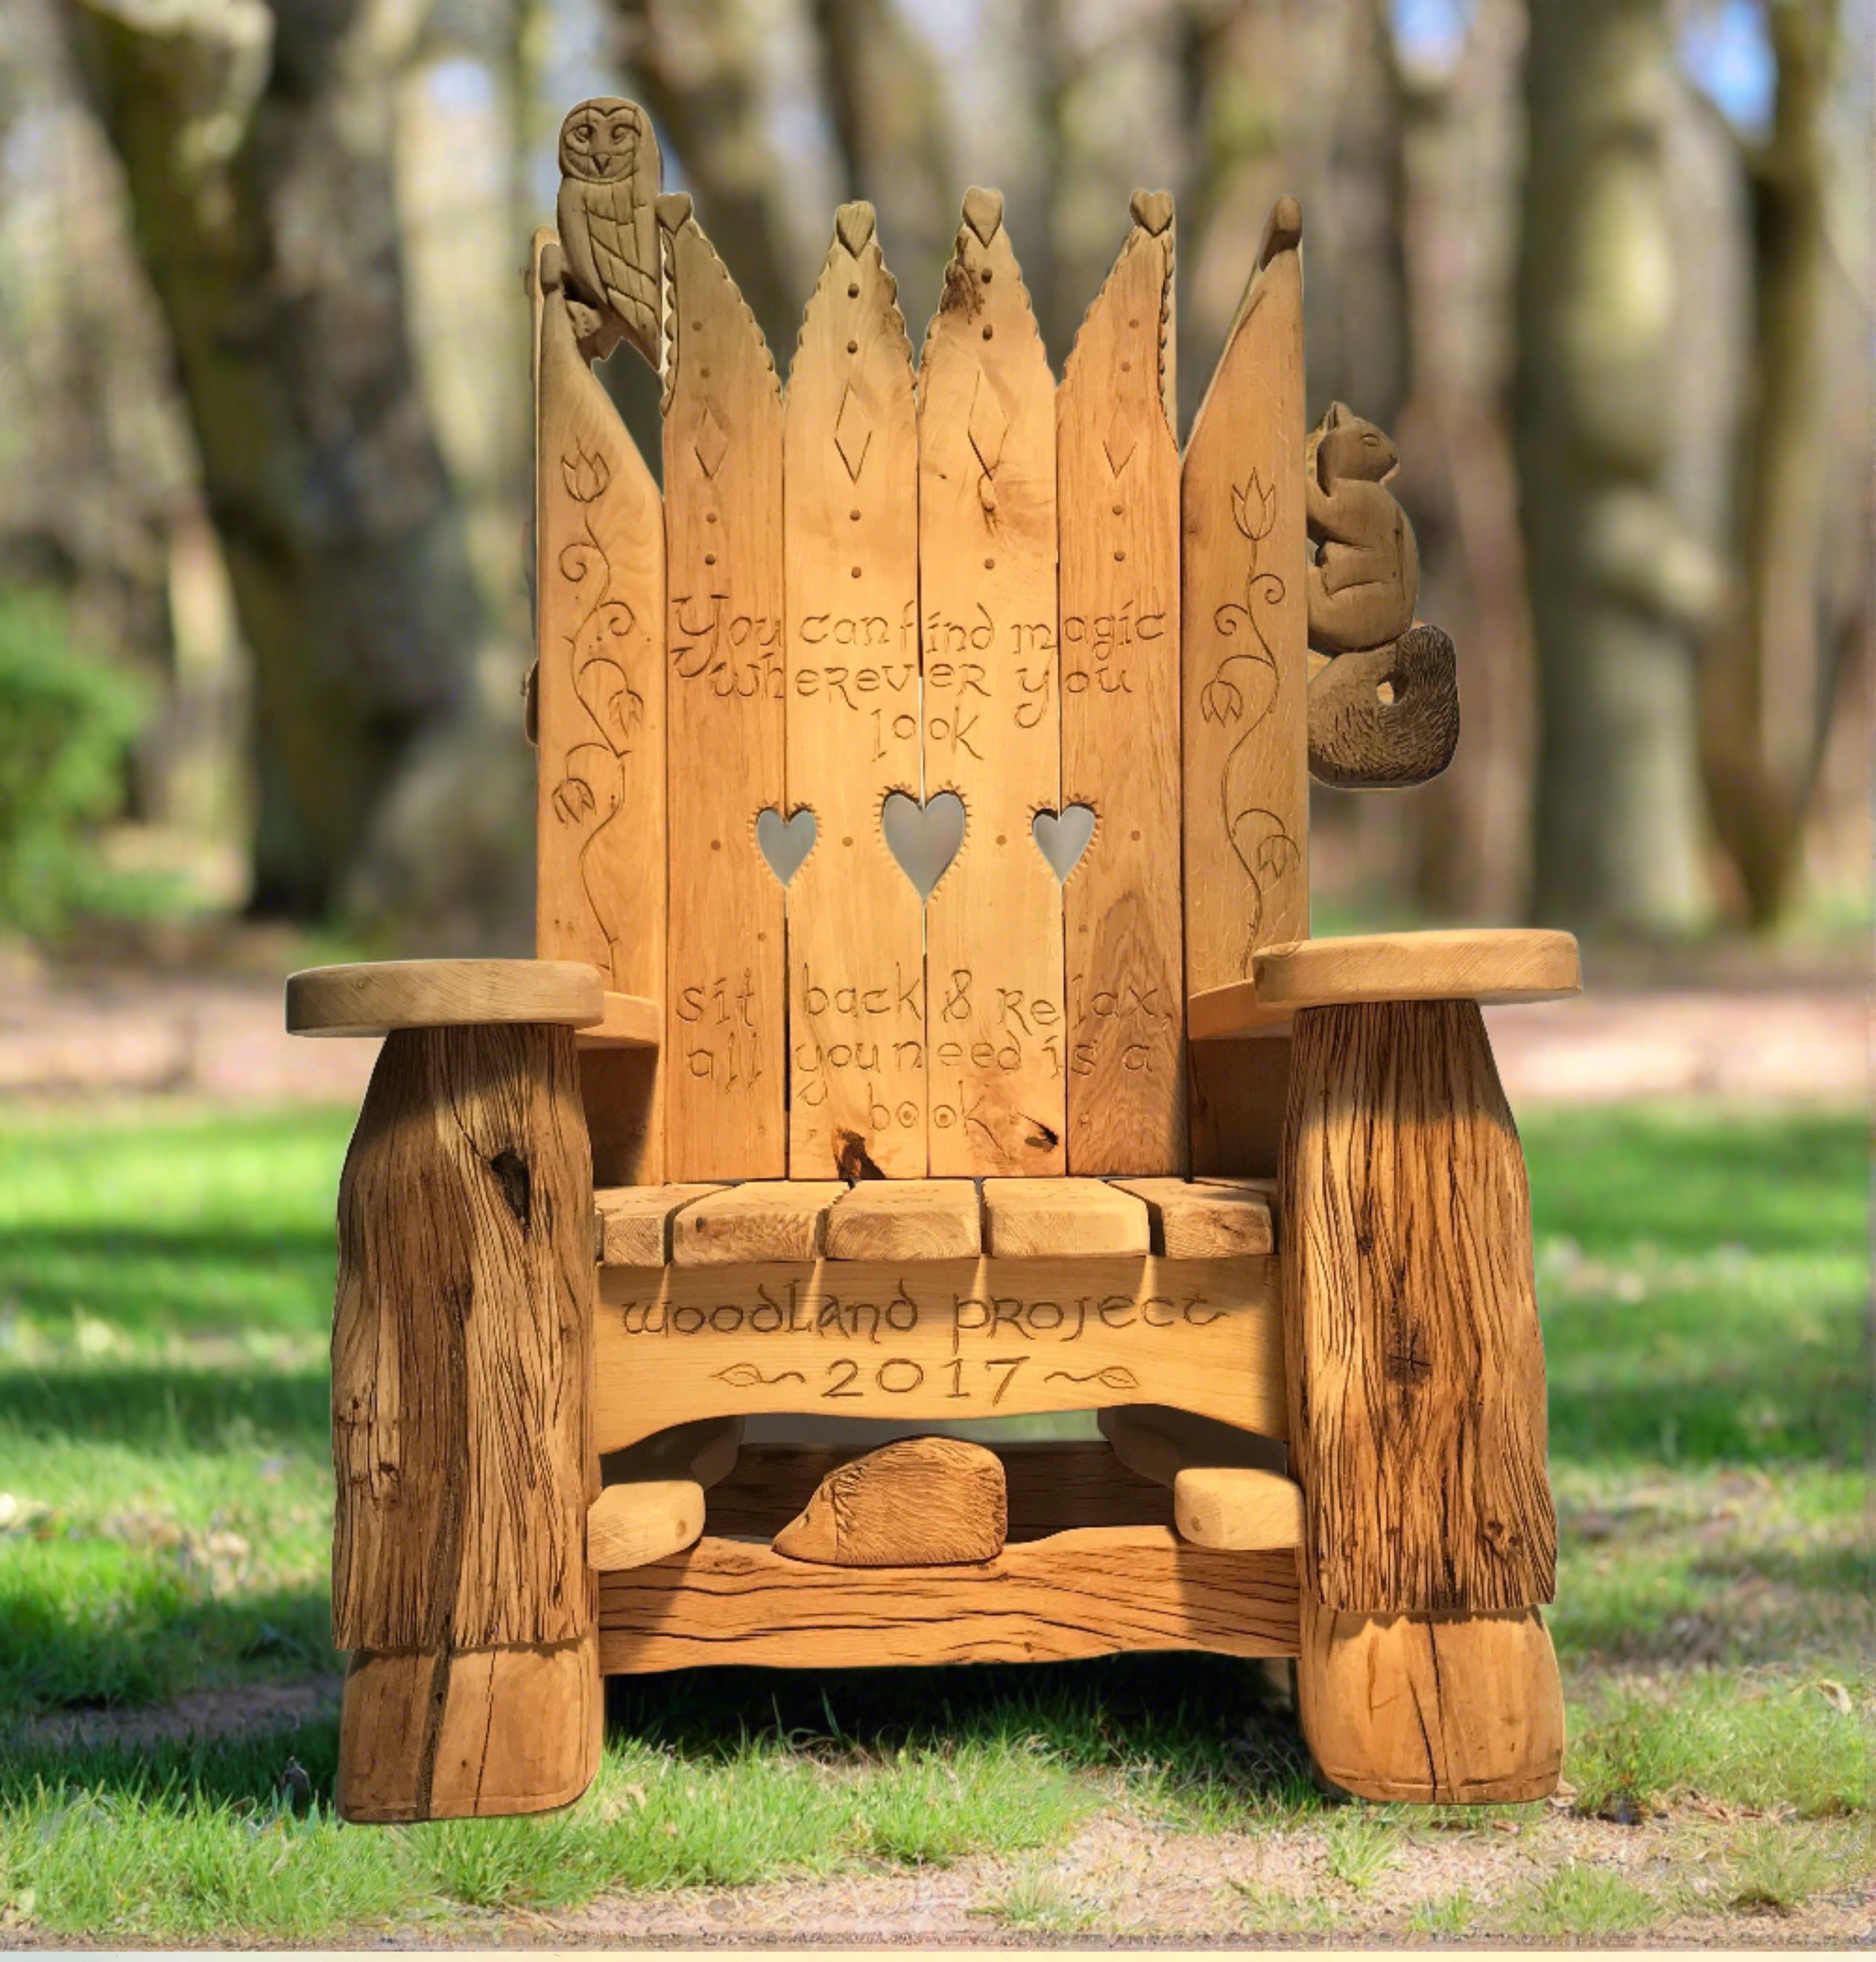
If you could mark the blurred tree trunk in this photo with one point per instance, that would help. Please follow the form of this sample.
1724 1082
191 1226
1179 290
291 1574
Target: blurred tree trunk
1770 674
888 109
697 66
1619 589
256 147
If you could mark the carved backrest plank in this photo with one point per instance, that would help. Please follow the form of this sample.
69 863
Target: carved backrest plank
1118 488
725 1005
1245 562
987 596
599 694
856 924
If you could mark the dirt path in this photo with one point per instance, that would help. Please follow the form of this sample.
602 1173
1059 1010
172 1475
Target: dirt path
219 1038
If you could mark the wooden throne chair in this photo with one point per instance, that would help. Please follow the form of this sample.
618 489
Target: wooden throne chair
1089 1124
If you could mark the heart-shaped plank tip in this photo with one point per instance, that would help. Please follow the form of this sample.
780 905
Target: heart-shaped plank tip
1153 210
1062 839
785 842
924 838
984 211
674 207
853 225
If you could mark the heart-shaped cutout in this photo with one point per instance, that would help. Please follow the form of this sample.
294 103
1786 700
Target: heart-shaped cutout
924 838
785 842
1062 839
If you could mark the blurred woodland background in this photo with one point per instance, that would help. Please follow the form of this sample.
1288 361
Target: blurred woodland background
1602 266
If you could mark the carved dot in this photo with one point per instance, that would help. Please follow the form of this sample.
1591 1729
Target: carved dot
990 565
1118 556
1125 365
1118 509
853 347
988 331
1001 839
1133 323
847 840
696 327
710 517
709 558
717 844
857 572
986 276
1134 835
854 515
853 292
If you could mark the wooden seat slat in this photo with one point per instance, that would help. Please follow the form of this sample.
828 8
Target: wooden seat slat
1062 1218
764 1220
635 1222
906 1219
1207 1219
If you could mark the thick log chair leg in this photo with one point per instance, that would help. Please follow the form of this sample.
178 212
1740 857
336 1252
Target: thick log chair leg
1417 1412
461 1431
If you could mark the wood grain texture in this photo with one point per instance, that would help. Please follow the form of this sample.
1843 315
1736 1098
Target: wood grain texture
1049 1487
599 598
1431 1709
1450 964
630 1022
634 1222
704 1452
1156 1442
641 1519
724 993
1238 1508
1118 494
370 997
761 1221
1062 1218
1416 1367
1245 627
599 714
855 923
461 1432
1240 1091
906 1219
1207 1219
1093 1592
471 1733
937 1339
920 1502
986 545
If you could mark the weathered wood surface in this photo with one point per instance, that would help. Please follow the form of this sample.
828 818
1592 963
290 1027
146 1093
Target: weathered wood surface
1207 1219
738 1225
1092 1592
461 1432
921 1502
905 1219
642 1520
1237 1508
1431 1709
1157 1442
480 1733
1448 964
634 1222
1416 1368
855 923
599 692
704 1452
1062 1218
725 973
937 1339
1245 627
986 544
370 997
1050 1487
1117 497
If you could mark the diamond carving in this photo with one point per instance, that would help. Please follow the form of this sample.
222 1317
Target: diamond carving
1119 443
852 432
710 442
988 425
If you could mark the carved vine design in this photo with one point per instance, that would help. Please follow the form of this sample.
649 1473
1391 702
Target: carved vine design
593 780
1245 684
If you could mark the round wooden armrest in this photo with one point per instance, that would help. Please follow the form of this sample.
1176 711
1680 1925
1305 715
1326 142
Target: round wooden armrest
371 997
1461 964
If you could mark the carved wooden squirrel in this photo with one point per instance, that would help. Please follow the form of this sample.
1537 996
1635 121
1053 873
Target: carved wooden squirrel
1364 584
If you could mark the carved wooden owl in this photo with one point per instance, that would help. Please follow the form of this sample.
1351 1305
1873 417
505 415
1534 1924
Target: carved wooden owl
610 173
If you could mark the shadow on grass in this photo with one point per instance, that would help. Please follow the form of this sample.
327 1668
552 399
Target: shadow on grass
1789 1413
149 1408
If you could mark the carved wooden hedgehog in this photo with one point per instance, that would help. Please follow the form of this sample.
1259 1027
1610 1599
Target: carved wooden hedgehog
921 1502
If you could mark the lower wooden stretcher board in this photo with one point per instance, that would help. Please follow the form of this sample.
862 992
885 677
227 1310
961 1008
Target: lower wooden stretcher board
938 1339
1091 1592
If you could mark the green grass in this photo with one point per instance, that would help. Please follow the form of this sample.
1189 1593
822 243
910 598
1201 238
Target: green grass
165 1289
